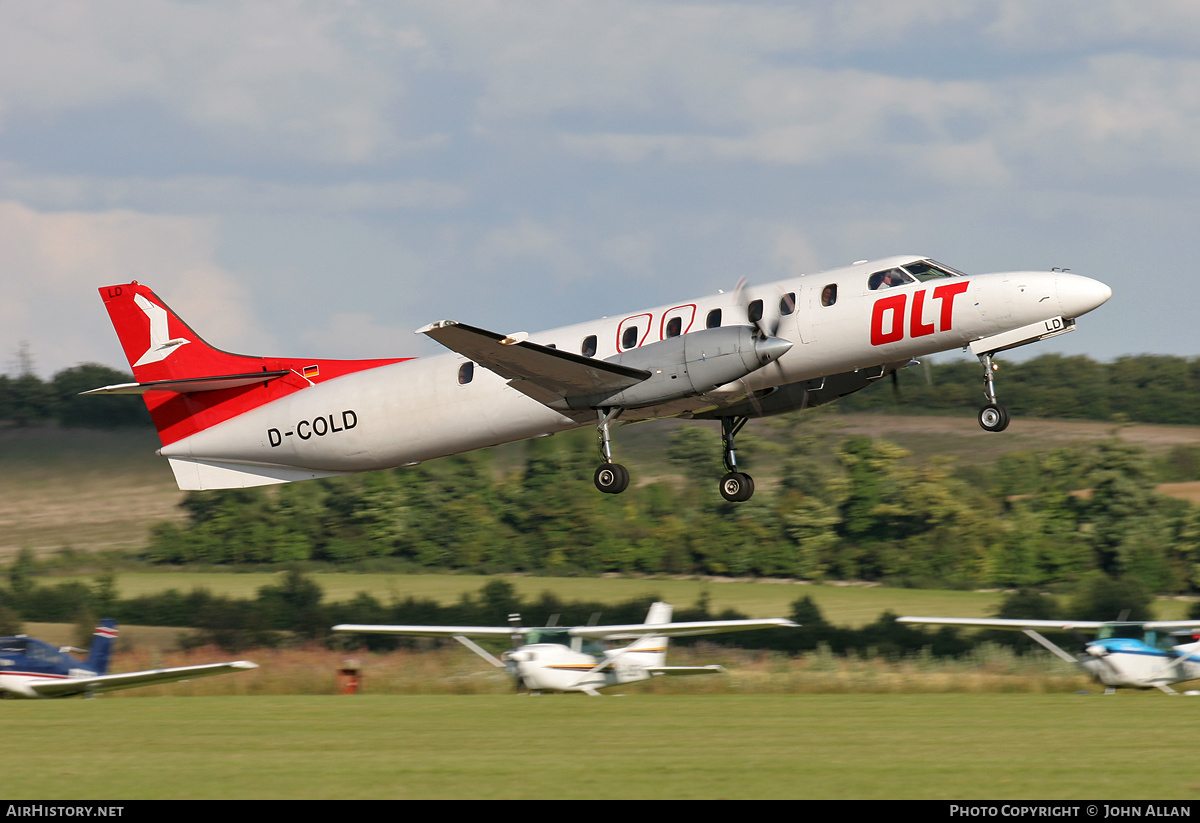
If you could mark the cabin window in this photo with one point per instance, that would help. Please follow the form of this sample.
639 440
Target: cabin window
674 327
829 295
787 304
466 372
713 321
629 338
588 349
754 311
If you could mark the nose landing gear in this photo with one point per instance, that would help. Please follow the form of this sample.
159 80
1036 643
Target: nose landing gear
993 417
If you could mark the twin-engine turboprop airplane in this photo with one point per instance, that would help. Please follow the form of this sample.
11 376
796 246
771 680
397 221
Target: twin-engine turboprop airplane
1135 655
232 421
574 659
32 668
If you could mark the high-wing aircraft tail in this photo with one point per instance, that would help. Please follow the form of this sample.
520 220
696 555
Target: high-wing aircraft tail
102 643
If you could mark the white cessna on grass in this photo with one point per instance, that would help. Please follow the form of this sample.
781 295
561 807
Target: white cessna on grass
1138 655
232 421
573 659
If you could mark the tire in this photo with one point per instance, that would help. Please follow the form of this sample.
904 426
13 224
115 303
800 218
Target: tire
612 478
736 487
993 418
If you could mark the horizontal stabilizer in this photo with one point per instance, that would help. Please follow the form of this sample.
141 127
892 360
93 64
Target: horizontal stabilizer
193 384
561 373
198 475
677 670
111 682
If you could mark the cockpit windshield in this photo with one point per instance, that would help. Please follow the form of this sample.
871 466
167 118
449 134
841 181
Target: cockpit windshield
548 635
929 270
918 271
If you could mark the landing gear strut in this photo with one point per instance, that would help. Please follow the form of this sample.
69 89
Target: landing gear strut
610 478
736 487
993 417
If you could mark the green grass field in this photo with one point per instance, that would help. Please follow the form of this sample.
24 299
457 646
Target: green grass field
1130 745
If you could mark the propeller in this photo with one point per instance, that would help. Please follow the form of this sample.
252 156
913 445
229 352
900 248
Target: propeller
765 329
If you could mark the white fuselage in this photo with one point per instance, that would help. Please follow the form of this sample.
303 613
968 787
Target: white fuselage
551 667
415 410
1141 666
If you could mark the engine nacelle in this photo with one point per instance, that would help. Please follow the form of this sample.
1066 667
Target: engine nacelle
688 365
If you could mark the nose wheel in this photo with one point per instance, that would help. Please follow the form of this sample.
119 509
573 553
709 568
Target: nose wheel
993 417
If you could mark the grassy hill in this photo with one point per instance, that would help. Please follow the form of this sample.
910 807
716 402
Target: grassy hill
90 490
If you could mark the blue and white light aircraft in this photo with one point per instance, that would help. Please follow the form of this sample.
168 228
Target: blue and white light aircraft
31 668
573 659
233 421
1139 655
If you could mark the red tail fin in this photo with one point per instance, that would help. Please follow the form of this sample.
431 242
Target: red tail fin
187 384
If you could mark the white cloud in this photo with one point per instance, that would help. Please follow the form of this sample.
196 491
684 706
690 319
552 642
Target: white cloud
51 266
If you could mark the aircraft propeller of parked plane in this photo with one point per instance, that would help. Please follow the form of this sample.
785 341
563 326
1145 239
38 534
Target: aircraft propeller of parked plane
32 668
573 659
1138 655
233 421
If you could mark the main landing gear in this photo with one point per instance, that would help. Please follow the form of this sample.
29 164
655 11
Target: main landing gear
613 478
610 478
993 417
736 487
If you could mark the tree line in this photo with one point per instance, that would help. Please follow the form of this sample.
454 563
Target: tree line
836 508
1142 388
294 611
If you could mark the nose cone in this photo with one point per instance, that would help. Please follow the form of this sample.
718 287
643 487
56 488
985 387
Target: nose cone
1079 295
771 348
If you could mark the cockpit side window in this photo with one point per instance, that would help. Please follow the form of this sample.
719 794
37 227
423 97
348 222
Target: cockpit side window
888 278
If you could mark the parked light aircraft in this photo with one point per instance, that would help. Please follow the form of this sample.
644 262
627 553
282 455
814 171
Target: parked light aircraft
553 659
32 668
232 421
1139 655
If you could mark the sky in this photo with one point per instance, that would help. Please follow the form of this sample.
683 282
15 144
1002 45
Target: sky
323 178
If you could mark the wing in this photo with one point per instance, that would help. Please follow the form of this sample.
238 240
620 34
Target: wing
545 374
112 682
636 630
1010 625
1172 625
433 631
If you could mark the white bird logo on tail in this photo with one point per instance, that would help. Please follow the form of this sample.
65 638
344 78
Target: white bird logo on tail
160 346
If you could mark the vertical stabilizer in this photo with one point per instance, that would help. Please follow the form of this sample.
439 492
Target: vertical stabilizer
651 650
102 642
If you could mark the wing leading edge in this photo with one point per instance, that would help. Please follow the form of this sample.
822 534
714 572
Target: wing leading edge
545 374
112 682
